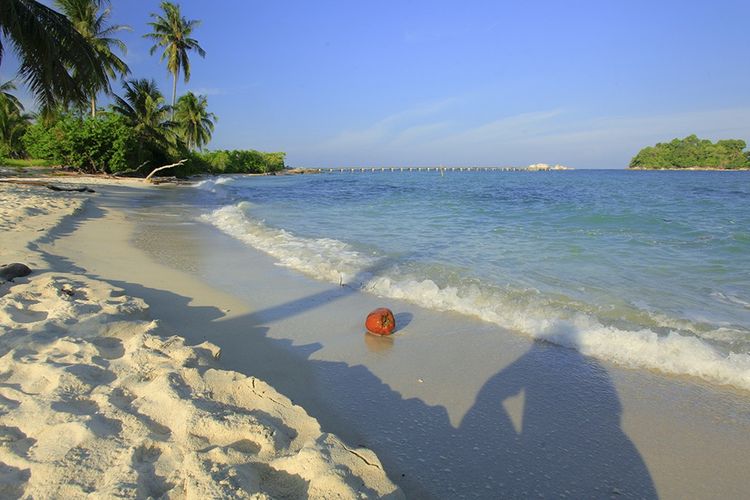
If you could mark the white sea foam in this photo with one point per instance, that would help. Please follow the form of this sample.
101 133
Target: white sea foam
321 258
536 316
212 183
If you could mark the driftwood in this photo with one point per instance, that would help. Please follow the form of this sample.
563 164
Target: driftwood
132 170
82 189
159 169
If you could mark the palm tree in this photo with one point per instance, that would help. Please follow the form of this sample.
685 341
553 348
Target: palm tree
92 25
172 32
5 89
194 122
143 107
13 121
48 47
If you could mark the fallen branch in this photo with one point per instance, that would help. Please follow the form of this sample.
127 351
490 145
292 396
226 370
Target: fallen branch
132 170
148 177
82 189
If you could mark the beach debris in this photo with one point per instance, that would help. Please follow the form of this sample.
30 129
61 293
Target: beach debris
8 272
159 169
380 321
81 189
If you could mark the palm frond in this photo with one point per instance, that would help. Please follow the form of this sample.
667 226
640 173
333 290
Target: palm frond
51 52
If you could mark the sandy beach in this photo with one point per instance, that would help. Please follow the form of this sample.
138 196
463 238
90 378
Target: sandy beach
99 398
148 354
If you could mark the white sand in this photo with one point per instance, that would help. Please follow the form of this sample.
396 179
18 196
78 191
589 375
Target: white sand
96 399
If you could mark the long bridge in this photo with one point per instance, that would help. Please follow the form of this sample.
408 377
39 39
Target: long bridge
332 170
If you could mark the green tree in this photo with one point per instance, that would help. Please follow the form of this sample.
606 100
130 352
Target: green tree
90 18
693 152
145 111
13 122
143 107
195 123
172 31
50 50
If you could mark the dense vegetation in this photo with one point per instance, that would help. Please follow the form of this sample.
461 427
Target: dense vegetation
69 58
692 152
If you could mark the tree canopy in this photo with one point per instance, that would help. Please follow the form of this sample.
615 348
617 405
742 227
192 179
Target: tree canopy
90 18
692 152
56 60
194 122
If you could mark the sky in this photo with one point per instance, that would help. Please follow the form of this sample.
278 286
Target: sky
585 84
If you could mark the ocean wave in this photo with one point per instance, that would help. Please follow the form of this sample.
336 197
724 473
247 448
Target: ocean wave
213 183
537 315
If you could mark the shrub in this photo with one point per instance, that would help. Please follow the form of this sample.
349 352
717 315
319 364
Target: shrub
242 161
101 144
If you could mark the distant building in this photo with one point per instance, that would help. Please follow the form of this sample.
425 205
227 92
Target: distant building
536 167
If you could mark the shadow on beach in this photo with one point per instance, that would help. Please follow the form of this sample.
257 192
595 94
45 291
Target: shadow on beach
564 440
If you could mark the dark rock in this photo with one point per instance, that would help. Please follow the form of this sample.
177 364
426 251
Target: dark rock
15 270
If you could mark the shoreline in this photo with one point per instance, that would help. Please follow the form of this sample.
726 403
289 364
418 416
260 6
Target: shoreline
98 396
413 398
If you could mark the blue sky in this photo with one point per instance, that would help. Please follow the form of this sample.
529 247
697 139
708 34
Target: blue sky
581 83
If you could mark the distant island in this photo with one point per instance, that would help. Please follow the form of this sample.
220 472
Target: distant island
694 154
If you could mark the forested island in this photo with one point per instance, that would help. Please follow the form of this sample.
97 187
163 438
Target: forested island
693 153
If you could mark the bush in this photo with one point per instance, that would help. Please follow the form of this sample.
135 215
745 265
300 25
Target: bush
242 161
40 141
101 144
107 144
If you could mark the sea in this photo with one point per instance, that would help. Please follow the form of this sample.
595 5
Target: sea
644 269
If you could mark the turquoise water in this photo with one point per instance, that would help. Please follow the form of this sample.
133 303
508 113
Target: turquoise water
645 269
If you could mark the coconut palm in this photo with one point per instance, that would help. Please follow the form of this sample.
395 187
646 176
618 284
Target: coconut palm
171 32
91 23
13 121
48 47
194 122
5 89
143 107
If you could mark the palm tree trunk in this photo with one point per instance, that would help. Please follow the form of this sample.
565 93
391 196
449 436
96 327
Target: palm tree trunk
93 106
174 91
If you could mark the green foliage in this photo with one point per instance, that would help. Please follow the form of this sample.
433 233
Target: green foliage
102 144
4 153
143 108
90 18
13 122
110 143
25 163
55 60
693 152
194 122
246 161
